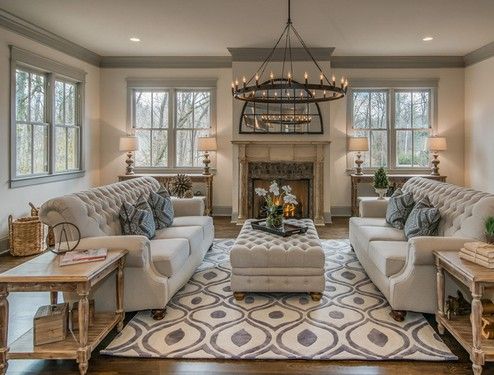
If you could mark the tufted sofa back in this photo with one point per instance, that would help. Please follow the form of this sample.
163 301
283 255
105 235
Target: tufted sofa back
463 210
95 211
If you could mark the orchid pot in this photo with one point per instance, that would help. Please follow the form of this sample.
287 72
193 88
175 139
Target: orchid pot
275 199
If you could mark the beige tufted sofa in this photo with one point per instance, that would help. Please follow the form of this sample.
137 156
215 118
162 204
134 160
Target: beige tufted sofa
155 269
404 270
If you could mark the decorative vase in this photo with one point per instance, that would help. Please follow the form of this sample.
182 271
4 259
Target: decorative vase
274 220
381 192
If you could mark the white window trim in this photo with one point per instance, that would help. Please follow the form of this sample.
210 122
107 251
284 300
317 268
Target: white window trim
170 85
391 85
20 58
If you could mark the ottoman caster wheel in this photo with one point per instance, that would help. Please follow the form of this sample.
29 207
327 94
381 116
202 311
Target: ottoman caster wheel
316 296
239 296
158 314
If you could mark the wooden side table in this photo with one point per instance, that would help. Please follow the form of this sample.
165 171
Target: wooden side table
42 274
163 178
466 330
396 181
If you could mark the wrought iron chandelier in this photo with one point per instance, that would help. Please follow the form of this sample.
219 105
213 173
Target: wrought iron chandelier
261 88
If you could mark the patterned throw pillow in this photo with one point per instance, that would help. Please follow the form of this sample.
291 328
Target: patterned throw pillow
423 220
162 208
399 207
137 219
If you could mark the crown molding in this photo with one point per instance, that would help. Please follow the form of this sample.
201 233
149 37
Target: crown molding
185 62
298 54
43 36
399 62
480 54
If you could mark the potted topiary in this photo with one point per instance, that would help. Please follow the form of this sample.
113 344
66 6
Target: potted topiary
489 229
381 182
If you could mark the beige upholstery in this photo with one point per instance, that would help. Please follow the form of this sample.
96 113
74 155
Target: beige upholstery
155 269
264 262
404 270
372 207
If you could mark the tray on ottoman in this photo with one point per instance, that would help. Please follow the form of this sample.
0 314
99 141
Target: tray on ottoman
285 230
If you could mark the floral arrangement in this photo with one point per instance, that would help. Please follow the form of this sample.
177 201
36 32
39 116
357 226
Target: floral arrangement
275 200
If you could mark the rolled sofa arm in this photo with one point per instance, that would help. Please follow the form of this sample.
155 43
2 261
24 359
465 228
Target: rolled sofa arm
138 247
420 248
373 207
188 206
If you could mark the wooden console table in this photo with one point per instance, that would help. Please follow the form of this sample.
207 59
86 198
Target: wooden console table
396 181
163 178
466 329
43 274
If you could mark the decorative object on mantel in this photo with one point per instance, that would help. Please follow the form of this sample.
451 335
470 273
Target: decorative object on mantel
275 200
26 234
358 144
129 144
50 324
457 306
489 230
480 253
381 182
181 185
436 144
206 144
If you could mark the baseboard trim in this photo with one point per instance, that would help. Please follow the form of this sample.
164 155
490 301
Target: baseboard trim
222 210
341 211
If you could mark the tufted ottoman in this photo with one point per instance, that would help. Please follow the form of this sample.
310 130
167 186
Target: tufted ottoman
264 262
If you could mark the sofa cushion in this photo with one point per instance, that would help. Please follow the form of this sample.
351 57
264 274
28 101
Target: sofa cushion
399 207
388 256
369 221
206 222
193 234
162 208
169 256
366 234
137 219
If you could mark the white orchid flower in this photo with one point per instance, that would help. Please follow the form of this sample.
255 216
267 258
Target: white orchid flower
287 189
261 192
290 199
274 188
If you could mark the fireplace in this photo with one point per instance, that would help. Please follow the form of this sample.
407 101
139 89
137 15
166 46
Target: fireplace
298 175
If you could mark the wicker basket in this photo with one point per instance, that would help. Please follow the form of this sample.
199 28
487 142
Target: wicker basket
26 235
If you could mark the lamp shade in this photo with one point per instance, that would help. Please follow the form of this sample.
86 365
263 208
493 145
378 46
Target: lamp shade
437 144
358 144
129 143
207 144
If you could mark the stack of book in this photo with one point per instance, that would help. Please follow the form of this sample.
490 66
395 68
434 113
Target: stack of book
480 253
82 256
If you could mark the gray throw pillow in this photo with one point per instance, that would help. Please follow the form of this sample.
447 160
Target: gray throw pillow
137 219
399 207
423 220
162 208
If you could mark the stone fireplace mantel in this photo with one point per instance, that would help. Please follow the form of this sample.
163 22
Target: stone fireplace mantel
250 151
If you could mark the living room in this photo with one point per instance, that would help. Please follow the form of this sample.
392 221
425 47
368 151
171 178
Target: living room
267 122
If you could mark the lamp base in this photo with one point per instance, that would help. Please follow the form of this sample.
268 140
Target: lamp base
130 164
435 165
359 162
206 161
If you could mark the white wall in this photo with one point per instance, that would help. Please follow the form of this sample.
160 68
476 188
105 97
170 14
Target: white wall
15 201
479 125
113 91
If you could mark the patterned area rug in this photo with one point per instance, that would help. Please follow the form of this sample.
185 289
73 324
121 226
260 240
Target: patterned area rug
351 321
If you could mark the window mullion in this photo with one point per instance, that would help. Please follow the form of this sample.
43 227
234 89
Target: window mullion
391 128
172 119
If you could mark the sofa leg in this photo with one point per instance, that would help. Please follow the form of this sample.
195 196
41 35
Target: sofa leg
239 296
398 315
158 314
316 296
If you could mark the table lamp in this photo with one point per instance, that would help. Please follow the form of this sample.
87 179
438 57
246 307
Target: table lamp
206 144
358 144
129 144
436 144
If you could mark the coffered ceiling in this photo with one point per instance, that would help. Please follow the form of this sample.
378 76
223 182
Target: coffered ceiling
208 27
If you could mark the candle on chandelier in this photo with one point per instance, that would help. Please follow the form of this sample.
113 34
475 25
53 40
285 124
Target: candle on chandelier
271 76
324 93
244 81
306 77
321 78
236 84
342 82
334 80
257 80
289 78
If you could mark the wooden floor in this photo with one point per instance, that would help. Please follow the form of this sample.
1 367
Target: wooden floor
23 307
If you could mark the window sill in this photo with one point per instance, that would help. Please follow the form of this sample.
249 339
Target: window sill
28 181
161 170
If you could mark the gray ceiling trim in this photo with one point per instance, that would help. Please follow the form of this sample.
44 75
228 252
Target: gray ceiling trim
481 54
185 62
43 36
298 54
400 62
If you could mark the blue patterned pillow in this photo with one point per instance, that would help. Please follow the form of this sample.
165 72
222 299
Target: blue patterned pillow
162 208
137 219
423 220
399 207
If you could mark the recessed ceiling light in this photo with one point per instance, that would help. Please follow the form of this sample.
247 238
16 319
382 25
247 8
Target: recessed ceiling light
427 38
134 39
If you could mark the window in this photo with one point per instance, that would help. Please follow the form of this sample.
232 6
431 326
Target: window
46 119
397 122
168 121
